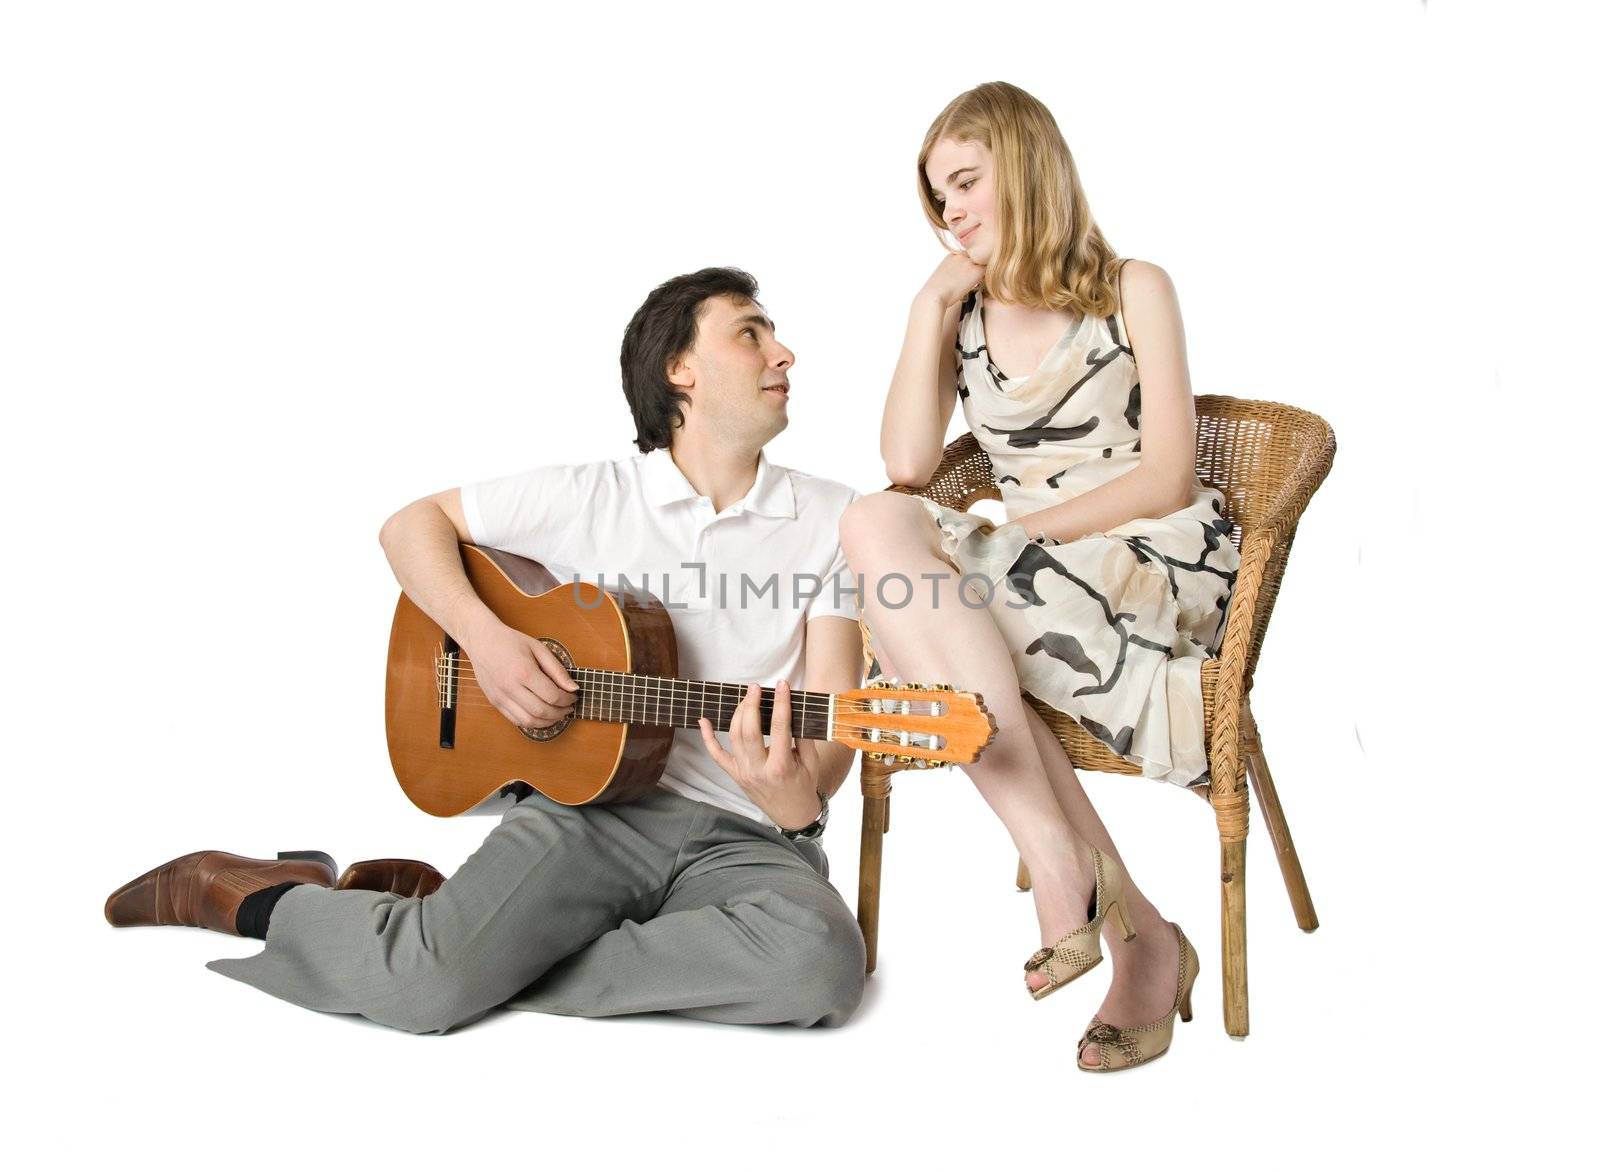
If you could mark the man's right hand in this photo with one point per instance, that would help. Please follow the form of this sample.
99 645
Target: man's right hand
521 676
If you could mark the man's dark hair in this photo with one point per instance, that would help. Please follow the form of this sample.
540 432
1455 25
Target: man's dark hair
662 329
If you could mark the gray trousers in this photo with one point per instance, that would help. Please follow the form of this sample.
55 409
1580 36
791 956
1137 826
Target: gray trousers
662 904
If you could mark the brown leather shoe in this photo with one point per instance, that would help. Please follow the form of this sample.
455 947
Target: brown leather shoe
404 877
205 889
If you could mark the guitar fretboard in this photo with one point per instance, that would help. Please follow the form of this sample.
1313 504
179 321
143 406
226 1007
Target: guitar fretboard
634 699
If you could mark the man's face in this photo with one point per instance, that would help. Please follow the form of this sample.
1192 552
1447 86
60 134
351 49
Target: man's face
737 372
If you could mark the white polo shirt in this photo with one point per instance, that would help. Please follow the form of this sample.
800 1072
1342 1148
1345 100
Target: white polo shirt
740 585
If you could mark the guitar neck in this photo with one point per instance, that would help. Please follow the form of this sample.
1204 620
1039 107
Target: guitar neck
624 698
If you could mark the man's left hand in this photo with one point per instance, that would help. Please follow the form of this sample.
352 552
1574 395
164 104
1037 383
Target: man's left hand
780 778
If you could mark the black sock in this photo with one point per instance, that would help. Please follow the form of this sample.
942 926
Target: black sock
256 911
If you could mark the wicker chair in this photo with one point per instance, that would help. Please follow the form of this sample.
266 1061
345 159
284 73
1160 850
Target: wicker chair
1267 459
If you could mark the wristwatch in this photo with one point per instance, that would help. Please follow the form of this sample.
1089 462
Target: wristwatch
814 830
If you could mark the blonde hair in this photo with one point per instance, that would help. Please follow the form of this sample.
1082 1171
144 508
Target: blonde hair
1049 253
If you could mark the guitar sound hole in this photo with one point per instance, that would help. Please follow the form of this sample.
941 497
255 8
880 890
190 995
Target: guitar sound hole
556 729
545 734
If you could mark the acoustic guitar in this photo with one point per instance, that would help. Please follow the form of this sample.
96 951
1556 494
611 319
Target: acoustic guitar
454 752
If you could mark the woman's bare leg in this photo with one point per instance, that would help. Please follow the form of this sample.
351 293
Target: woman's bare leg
1146 968
891 533
935 637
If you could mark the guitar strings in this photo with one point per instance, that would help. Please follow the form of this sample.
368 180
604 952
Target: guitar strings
618 698
480 701
663 684
620 703
672 689
861 730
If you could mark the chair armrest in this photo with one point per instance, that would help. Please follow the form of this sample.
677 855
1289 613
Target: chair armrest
1229 795
964 475
1290 501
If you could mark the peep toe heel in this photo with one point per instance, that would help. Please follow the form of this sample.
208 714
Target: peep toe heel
1079 950
1125 1046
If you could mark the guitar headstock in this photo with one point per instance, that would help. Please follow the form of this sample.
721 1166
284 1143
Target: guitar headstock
918 725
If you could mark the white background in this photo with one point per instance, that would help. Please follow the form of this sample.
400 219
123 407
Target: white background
271 271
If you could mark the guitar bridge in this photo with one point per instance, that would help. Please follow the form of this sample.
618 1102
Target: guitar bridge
447 680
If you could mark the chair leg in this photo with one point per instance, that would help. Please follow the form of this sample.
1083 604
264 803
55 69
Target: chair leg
1235 983
874 825
1288 860
1231 804
1024 880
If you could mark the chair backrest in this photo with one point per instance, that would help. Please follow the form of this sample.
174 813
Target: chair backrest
1267 458
1250 449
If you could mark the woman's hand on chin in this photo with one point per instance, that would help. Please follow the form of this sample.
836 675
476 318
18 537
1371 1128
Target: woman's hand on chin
957 275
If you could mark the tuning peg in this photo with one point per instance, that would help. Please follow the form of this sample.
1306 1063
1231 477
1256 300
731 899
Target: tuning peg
905 759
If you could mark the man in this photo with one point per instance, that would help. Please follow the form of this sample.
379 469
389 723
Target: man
708 897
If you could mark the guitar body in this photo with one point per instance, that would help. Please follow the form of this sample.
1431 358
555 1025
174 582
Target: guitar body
451 762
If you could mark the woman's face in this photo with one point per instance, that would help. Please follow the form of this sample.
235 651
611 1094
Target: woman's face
961 175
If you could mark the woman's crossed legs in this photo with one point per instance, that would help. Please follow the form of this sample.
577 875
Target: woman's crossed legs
1024 775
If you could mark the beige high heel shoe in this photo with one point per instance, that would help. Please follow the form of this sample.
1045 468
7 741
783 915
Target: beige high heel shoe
1122 1047
1079 951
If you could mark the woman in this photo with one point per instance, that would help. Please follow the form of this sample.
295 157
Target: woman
1113 571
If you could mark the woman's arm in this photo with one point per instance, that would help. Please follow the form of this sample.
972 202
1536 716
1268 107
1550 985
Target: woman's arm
1163 481
922 394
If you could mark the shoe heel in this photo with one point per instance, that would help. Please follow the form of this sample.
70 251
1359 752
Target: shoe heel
1184 1011
310 857
1123 924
